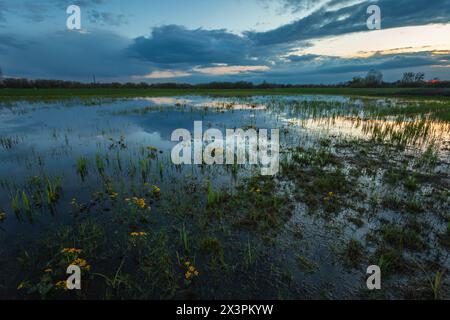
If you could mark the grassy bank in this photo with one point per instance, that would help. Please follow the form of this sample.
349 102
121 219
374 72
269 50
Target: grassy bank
49 94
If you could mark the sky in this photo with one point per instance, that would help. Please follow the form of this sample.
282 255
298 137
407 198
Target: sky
196 41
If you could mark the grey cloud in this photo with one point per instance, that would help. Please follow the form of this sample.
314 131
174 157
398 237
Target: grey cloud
306 57
299 5
107 18
353 18
72 55
174 44
334 65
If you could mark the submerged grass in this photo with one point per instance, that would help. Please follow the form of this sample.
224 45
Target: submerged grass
237 233
81 165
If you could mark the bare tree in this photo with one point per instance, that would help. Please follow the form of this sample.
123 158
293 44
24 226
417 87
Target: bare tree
408 77
419 77
411 78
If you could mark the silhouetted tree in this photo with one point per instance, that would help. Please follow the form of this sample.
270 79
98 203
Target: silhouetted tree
413 79
419 77
374 78
408 77
357 82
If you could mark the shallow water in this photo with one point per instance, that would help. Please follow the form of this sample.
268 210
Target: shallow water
131 139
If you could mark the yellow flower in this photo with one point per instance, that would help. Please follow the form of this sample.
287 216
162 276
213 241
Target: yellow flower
141 203
21 286
62 285
71 250
138 234
329 196
113 195
81 263
191 271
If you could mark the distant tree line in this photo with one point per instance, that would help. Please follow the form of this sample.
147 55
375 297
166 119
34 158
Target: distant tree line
46 84
373 79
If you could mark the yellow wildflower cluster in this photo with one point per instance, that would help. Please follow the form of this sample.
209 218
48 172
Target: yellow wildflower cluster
138 234
71 250
329 196
140 202
62 285
152 149
113 195
191 272
81 263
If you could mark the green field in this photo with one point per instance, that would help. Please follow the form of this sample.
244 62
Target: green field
31 94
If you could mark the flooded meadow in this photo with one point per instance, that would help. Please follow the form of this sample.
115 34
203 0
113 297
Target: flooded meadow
361 182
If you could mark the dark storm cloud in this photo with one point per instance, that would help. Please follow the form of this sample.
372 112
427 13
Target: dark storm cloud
306 57
74 55
398 13
334 69
174 44
71 54
64 55
381 62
